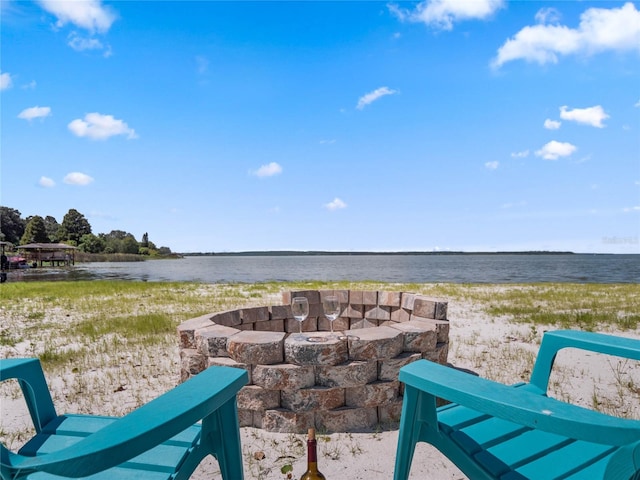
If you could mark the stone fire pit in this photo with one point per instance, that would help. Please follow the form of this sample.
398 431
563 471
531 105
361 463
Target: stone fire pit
346 383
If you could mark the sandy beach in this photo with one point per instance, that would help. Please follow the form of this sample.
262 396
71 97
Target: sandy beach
492 347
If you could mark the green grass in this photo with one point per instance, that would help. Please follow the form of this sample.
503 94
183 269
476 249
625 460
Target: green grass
59 357
146 325
8 339
584 306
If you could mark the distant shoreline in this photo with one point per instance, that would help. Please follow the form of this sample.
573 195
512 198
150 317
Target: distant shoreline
290 253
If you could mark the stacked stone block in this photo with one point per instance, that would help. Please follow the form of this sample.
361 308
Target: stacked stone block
345 382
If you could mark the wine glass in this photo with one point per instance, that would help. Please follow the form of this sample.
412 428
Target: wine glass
331 307
300 310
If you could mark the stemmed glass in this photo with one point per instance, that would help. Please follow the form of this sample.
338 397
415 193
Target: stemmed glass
300 310
331 307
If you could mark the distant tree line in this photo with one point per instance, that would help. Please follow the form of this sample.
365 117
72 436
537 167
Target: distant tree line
74 230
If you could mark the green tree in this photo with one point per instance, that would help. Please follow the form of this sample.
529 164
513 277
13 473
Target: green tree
52 226
74 225
117 234
91 244
35 231
12 225
112 241
130 245
119 241
145 240
107 242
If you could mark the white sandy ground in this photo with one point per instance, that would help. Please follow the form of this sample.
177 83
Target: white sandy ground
490 347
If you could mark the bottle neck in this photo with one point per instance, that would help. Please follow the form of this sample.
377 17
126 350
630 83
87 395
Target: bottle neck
312 454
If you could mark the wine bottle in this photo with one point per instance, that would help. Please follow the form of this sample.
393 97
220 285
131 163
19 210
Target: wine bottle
312 472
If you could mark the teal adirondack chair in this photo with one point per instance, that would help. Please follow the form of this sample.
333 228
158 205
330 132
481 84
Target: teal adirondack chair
159 441
494 431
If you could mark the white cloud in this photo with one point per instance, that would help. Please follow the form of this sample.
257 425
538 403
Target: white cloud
538 44
442 14
554 150
81 44
77 178
34 112
268 170
552 124
46 182
600 29
522 154
548 15
637 104
589 116
373 96
492 165
615 29
632 209
335 204
5 81
100 127
89 15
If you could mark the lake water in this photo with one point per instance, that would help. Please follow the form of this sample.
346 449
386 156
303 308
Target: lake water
471 268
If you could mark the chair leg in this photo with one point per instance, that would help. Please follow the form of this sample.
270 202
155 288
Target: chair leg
222 434
407 435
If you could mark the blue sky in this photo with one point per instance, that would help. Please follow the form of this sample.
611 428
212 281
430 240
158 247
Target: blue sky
231 126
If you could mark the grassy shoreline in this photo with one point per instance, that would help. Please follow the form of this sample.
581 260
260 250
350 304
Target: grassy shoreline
130 315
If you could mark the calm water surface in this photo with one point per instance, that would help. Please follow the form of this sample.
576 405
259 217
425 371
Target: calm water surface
496 268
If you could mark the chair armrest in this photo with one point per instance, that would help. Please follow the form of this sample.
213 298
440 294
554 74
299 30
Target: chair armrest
28 372
142 429
552 342
518 405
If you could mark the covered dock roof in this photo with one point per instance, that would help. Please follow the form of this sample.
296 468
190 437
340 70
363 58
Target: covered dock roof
47 246
54 253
